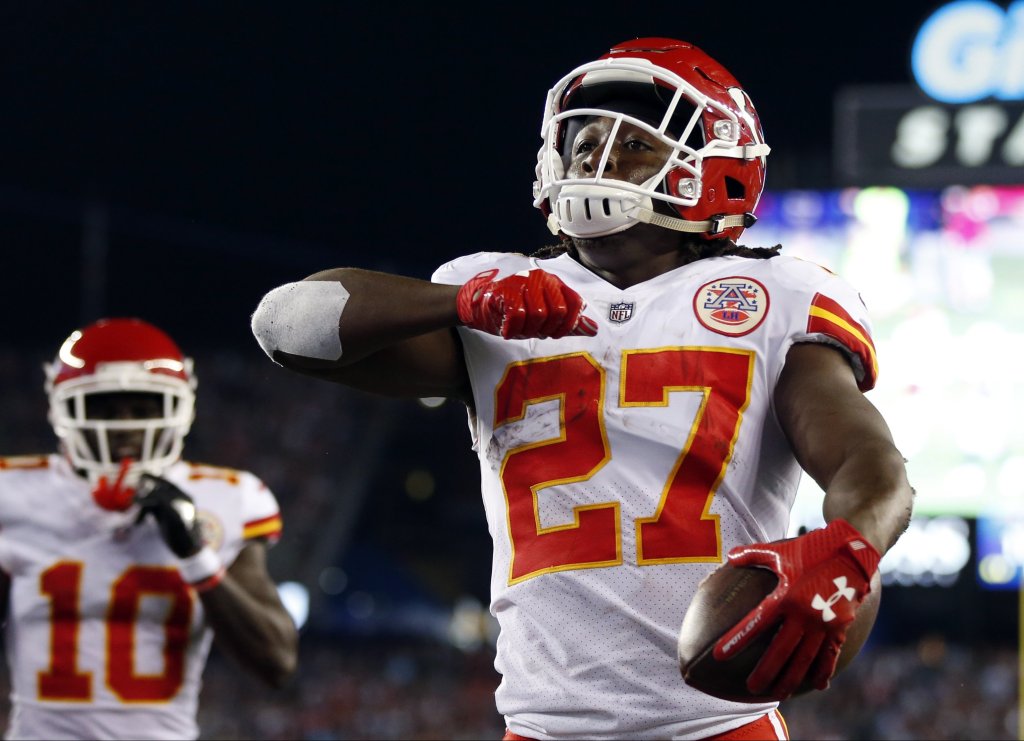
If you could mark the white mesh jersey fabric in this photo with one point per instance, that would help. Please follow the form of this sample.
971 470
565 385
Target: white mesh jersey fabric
618 470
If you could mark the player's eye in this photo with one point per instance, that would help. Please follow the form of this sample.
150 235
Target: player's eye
637 144
582 147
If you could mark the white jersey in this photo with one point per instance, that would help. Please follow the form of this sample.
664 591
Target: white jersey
618 470
103 638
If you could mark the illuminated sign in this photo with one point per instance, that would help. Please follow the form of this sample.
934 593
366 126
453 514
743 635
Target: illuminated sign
963 124
894 135
971 50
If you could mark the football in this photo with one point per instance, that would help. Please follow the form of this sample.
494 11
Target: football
724 597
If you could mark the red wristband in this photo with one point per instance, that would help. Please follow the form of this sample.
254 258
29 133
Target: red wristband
209 583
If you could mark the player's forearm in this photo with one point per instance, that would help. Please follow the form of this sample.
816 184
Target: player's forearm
842 441
870 490
257 633
349 314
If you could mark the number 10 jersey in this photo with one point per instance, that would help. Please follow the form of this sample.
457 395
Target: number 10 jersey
104 638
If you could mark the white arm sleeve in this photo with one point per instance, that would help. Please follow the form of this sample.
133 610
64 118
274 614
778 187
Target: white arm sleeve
301 318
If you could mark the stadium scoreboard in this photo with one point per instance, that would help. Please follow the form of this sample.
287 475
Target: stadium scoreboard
895 135
961 122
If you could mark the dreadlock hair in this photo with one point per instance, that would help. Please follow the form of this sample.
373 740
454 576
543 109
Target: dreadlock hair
693 249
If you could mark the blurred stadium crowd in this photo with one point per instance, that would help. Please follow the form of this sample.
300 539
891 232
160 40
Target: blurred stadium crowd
401 690
304 438
397 689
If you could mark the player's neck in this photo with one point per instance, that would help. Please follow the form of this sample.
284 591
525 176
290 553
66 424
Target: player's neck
634 256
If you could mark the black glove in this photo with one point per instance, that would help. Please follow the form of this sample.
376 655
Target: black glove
174 512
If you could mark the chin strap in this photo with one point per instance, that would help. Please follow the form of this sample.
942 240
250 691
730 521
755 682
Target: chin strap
715 225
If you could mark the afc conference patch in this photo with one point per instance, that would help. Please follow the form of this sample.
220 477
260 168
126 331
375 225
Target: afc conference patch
620 313
732 306
211 529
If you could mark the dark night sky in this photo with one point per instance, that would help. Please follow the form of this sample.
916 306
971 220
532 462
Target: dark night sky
233 146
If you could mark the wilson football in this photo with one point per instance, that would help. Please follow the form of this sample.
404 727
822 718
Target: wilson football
724 597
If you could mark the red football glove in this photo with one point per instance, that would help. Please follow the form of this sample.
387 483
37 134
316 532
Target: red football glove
519 307
824 575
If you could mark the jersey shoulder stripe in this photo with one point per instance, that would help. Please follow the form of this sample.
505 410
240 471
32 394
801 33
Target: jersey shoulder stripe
23 462
265 527
827 317
199 471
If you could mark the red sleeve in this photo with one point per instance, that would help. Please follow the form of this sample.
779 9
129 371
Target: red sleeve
828 318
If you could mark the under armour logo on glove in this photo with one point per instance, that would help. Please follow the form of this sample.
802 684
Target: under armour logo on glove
811 629
528 305
825 605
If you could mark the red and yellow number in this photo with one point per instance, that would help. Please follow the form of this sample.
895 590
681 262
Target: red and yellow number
63 681
681 528
129 589
577 454
62 582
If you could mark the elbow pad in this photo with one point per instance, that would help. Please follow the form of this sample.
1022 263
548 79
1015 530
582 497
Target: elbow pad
301 318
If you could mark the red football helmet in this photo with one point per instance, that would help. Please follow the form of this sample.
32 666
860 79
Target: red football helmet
711 180
120 356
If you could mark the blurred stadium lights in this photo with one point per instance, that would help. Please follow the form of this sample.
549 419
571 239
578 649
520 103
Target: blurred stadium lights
932 552
940 270
1001 554
420 484
333 580
295 598
472 625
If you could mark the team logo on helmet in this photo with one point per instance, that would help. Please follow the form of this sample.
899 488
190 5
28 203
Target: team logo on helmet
732 306
620 313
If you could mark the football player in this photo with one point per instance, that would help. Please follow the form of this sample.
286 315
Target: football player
120 561
643 397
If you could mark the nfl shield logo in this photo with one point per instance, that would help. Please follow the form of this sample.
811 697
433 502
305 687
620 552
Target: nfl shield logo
620 313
